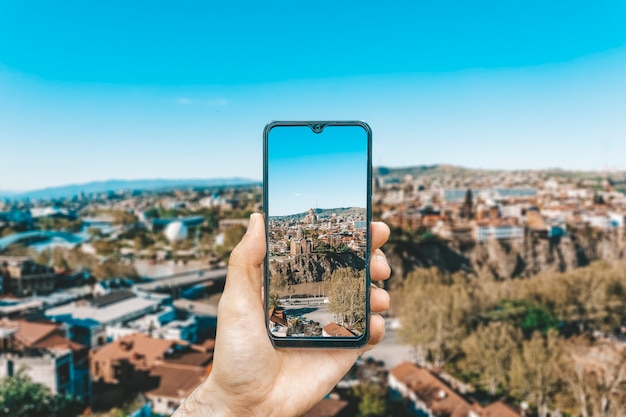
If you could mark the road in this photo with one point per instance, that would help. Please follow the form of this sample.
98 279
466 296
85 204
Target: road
186 278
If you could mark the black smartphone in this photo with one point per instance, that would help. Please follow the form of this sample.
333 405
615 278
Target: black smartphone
317 183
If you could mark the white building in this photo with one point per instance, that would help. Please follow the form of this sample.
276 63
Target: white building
163 324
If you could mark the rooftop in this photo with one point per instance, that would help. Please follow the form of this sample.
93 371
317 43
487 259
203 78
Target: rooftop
126 309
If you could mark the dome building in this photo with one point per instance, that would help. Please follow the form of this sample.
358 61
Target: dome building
175 231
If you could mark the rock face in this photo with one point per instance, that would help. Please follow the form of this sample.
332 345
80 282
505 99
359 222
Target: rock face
505 259
316 266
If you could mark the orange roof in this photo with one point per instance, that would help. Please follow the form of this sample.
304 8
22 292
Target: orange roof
139 349
30 332
59 342
176 383
333 329
278 317
437 395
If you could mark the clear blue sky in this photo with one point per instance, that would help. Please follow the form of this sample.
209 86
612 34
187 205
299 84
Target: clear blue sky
118 89
307 170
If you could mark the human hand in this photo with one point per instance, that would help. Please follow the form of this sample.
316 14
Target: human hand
252 378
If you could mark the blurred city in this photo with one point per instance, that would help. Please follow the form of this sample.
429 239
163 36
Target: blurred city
508 293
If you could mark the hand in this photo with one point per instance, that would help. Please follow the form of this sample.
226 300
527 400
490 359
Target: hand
249 376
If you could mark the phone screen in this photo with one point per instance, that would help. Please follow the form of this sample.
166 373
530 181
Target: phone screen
317 189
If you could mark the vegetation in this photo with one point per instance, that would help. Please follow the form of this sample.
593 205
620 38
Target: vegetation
528 340
346 294
20 396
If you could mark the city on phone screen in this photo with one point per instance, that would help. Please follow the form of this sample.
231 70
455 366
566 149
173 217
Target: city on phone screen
317 193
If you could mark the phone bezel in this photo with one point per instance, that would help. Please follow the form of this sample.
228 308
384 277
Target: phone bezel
319 341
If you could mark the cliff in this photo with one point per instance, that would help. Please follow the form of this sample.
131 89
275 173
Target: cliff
504 259
316 266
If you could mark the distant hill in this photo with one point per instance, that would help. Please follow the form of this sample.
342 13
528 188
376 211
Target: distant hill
118 185
446 169
346 211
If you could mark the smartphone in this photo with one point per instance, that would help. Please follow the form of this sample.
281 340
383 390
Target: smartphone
317 181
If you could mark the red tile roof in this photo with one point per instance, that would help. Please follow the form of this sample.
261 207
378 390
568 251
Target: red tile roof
437 395
333 329
326 408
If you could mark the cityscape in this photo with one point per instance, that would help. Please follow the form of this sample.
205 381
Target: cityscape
507 292
317 273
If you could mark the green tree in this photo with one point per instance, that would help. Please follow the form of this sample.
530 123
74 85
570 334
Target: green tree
372 400
346 295
20 396
524 314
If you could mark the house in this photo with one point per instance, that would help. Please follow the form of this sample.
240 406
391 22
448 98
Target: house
179 375
335 330
22 276
166 323
166 370
499 229
90 317
430 396
49 357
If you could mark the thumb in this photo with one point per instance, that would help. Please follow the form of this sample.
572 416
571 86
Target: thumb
244 277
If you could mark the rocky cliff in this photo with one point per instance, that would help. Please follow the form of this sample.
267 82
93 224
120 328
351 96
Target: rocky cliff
503 259
316 266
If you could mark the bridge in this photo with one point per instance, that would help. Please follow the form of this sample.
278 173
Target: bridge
27 238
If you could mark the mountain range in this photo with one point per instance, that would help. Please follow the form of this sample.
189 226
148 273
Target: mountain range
118 185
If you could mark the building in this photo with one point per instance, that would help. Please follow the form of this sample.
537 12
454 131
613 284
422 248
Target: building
166 370
178 376
431 396
311 217
498 229
89 318
48 356
23 277
166 323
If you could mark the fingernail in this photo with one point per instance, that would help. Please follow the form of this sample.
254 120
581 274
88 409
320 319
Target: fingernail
381 259
251 223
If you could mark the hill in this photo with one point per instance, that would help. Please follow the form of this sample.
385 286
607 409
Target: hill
124 185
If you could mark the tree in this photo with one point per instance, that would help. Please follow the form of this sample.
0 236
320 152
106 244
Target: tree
535 371
278 283
468 205
20 396
346 295
596 377
435 316
488 353
372 400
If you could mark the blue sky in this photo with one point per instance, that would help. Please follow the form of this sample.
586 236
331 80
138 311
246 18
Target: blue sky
93 91
325 170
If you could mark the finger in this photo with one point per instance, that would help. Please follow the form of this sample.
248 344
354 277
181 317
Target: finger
379 299
377 332
380 234
244 278
379 267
